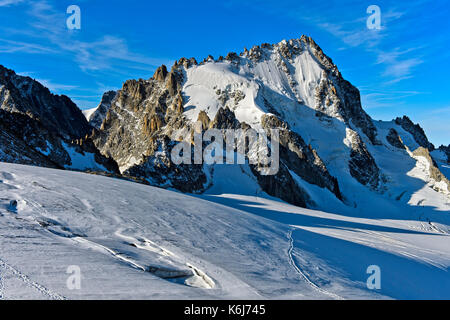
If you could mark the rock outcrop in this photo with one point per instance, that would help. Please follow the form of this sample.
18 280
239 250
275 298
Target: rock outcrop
446 150
26 96
283 186
303 160
416 131
441 182
394 139
39 128
362 165
132 130
96 118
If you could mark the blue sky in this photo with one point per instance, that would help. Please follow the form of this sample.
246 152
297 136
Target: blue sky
401 69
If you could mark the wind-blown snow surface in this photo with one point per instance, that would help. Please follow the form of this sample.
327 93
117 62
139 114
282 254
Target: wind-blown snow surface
264 80
135 241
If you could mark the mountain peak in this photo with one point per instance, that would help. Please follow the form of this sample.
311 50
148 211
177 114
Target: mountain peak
297 69
416 130
98 114
327 140
24 95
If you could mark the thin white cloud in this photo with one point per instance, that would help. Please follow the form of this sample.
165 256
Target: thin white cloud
352 34
4 3
106 53
56 87
10 46
398 64
52 86
385 98
402 69
350 28
102 53
441 111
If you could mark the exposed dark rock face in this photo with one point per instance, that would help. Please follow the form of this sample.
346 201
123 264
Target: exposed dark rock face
434 171
159 170
343 102
38 127
362 165
137 130
354 111
137 117
96 119
446 150
26 141
86 146
36 139
14 148
394 139
416 131
57 113
283 186
300 158
225 119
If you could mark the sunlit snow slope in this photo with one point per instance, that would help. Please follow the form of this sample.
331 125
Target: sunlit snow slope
138 242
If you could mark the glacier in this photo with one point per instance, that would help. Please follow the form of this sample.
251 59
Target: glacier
133 241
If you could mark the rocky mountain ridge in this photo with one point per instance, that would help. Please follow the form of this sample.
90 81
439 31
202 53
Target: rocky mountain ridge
96 116
41 128
329 146
269 86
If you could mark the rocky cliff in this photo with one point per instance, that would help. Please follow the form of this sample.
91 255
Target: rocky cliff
40 128
97 115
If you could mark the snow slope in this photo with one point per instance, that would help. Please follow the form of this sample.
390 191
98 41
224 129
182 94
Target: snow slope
254 80
89 112
133 241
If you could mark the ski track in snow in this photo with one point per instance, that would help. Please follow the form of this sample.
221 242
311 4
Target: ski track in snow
302 274
24 278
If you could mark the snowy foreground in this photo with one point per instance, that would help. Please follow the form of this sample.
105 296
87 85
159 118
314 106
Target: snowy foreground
133 241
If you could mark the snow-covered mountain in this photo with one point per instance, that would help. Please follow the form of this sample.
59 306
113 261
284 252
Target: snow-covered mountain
329 146
328 142
377 192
